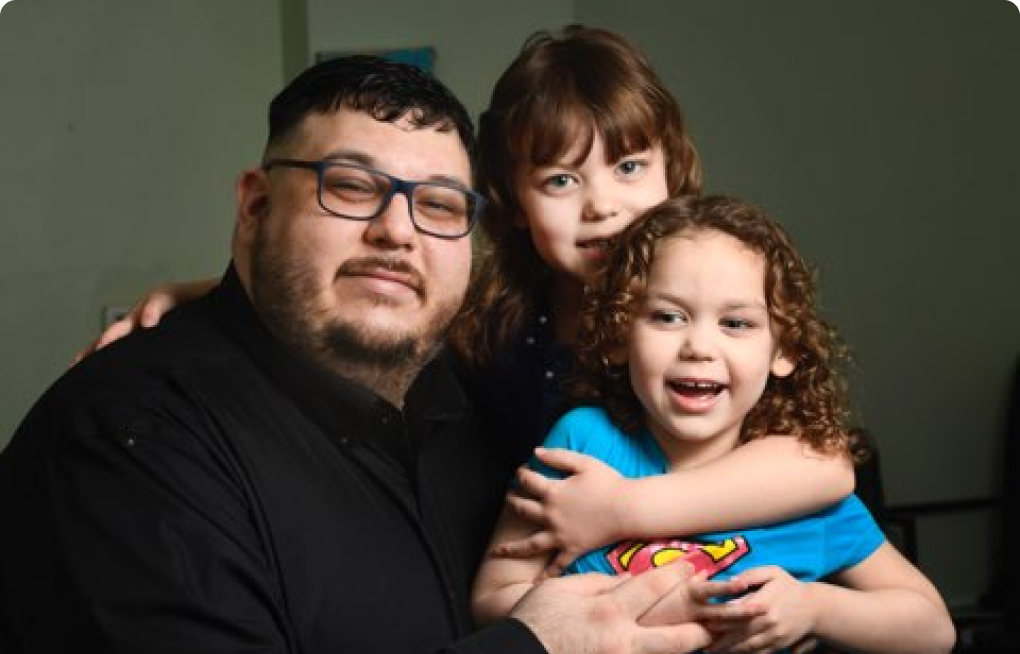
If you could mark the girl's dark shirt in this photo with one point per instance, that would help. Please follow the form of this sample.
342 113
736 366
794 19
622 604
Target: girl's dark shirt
197 488
521 394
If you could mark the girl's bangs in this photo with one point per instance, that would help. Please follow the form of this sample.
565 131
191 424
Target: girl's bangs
551 130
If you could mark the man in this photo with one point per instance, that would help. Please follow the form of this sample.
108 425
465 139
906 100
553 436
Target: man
288 465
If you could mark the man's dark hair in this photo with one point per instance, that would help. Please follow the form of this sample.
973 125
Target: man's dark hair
384 89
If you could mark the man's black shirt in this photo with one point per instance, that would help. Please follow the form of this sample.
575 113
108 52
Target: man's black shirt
198 488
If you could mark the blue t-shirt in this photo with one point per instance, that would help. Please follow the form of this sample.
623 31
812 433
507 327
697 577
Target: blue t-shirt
808 548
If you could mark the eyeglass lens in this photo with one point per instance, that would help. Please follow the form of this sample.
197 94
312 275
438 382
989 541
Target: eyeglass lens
357 193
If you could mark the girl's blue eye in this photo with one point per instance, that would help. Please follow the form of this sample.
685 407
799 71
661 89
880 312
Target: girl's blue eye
631 167
557 181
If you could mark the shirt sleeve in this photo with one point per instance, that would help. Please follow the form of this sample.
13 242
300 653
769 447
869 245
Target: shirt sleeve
508 636
852 536
136 537
568 433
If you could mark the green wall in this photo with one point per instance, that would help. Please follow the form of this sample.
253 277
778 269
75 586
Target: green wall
474 41
883 134
123 124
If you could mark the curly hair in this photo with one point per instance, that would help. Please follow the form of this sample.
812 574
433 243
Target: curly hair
810 403
561 90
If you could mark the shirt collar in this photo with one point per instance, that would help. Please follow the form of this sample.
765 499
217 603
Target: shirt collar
341 407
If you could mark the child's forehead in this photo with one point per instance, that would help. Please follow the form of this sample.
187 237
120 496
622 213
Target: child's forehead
702 249
570 137
707 259
706 237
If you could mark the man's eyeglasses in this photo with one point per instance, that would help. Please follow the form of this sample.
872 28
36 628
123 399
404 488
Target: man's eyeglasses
356 192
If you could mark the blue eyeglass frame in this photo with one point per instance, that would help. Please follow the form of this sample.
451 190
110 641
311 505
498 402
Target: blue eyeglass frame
397 185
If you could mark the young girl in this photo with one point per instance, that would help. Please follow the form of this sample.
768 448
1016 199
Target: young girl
701 338
579 139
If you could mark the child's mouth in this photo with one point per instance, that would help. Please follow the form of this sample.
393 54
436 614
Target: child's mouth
696 388
596 245
695 396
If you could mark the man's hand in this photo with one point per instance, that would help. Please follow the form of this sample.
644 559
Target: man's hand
599 614
693 602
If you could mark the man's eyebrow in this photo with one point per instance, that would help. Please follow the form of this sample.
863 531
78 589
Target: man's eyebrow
449 180
351 156
364 159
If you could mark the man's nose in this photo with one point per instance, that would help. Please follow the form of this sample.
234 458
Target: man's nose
395 225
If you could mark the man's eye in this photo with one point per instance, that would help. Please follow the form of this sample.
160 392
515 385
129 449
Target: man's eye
351 185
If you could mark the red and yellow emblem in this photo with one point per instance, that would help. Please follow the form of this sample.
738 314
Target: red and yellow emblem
711 557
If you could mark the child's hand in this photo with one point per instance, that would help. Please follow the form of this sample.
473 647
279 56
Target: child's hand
787 618
576 514
691 602
148 311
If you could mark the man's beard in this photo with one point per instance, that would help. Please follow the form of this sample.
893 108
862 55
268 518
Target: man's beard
285 294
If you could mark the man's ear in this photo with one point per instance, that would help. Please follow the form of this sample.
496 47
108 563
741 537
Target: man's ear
782 365
252 203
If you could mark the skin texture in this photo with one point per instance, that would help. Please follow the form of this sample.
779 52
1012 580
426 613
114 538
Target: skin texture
648 614
571 209
564 204
593 505
704 318
356 295
370 299
568 206
702 347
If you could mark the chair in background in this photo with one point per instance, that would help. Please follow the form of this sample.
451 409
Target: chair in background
985 627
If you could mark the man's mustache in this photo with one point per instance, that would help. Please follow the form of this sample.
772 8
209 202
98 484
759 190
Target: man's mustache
371 265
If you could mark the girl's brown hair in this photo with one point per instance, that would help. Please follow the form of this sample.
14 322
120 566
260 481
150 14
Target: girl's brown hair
561 90
810 403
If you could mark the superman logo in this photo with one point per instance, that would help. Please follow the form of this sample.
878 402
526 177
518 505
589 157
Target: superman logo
640 556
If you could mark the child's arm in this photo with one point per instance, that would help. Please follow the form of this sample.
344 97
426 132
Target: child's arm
767 480
148 311
882 605
898 610
501 583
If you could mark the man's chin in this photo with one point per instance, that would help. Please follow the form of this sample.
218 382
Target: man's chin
379 335
388 324
375 344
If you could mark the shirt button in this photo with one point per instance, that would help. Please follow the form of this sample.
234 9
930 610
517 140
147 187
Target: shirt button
549 374
542 320
129 437
530 340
